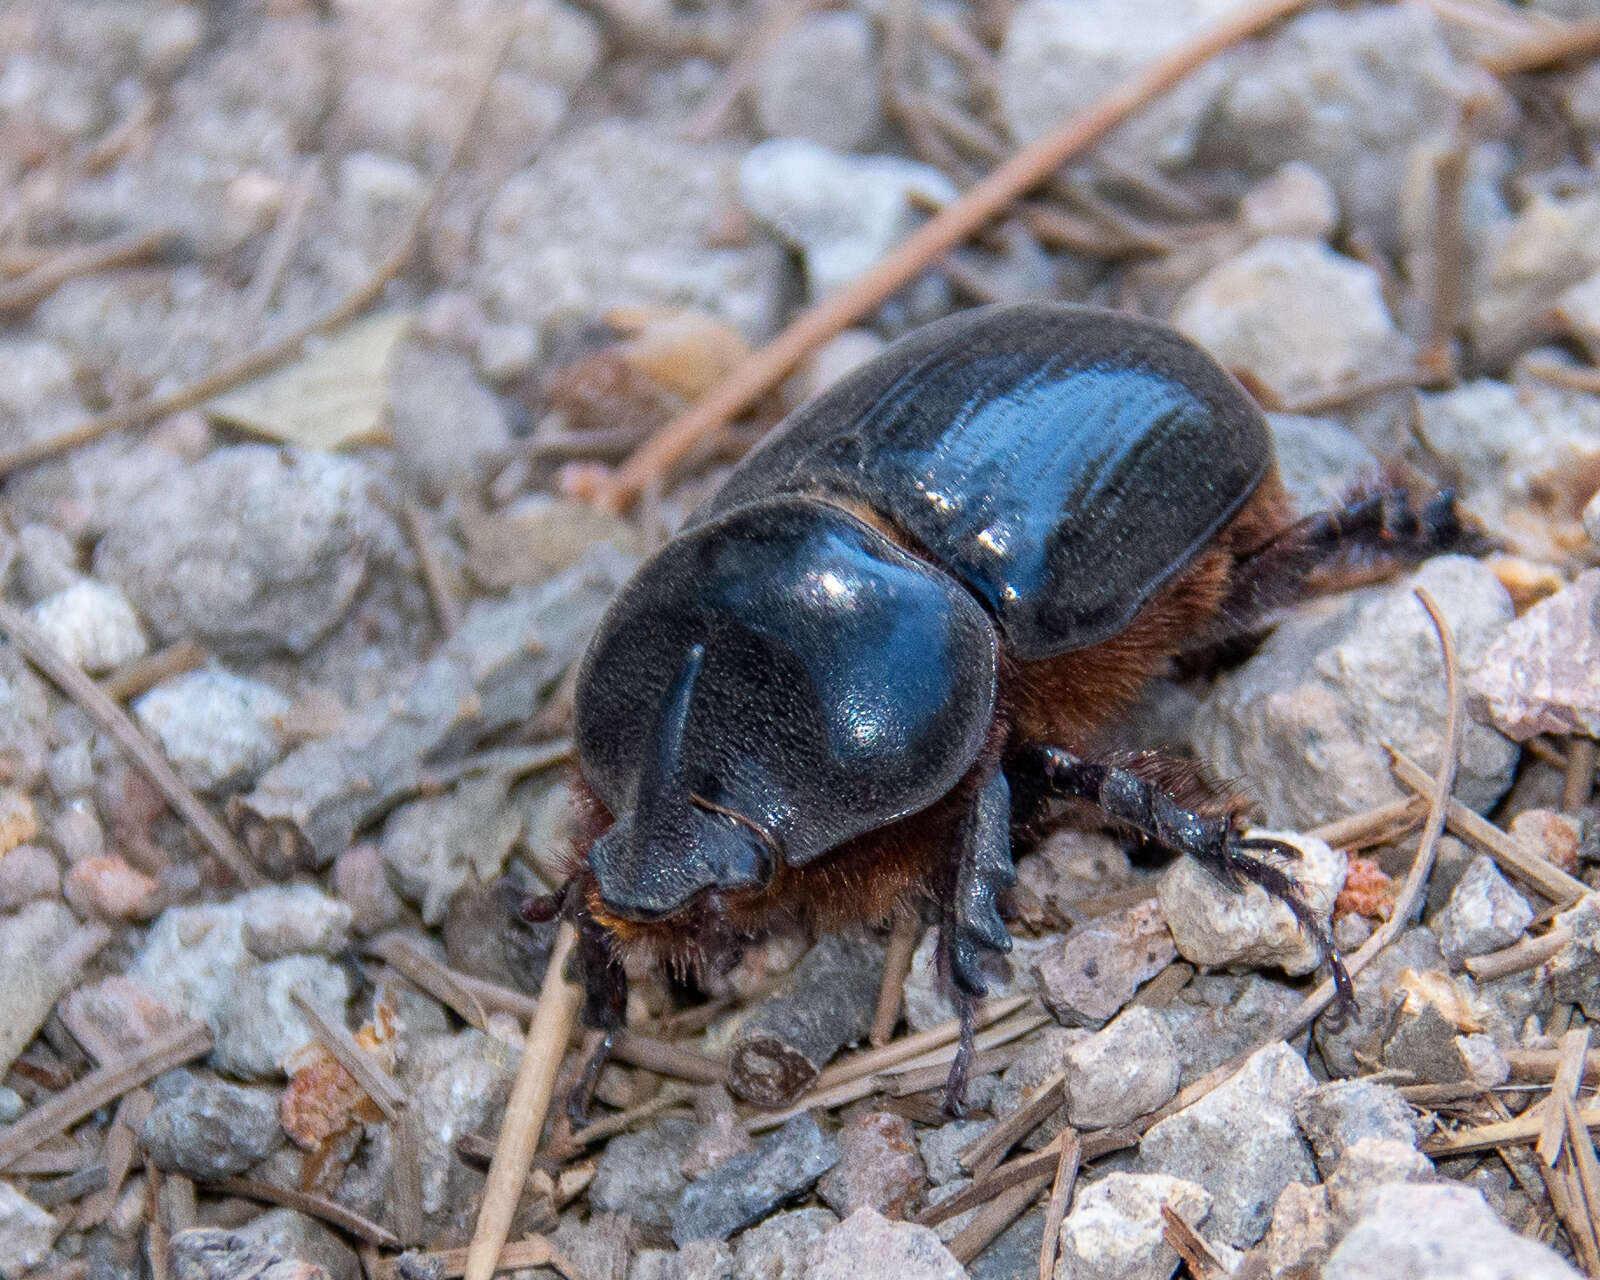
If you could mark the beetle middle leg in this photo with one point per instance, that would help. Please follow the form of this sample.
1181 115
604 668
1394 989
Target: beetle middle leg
1214 841
970 923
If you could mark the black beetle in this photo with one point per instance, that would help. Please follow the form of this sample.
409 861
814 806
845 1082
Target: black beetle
931 584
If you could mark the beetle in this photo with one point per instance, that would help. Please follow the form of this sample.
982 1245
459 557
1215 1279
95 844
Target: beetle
903 620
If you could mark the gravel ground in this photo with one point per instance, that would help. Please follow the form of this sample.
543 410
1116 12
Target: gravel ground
343 601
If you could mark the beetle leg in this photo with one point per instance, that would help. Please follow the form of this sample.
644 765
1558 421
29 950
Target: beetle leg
1374 533
605 997
1215 841
970 923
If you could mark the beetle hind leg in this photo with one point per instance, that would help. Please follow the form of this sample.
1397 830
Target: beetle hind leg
1213 841
970 925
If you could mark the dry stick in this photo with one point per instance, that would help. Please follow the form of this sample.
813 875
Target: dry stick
310 1204
1580 772
1036 1164
1202 1263
667 1059
896 966
1539 1066
1501 1133
1580 1146
379 1085
1574 1047
45 279
1361 828
1528 953
1447 283
143 674
87 694
535 1251
163 1051
269 357
994 1218
542 1051
1060 1198
1564 44
1026 169
1559 1185
157 1239
117 1153
912 1046
447 611
285 236
1544 876
615 1124
982 1156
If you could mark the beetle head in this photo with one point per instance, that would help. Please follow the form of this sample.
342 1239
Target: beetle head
673 846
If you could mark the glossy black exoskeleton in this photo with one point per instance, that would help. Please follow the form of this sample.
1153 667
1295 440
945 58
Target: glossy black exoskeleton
938 578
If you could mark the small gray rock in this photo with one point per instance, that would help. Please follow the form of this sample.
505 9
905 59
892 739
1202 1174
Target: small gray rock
281 920
1484 914
843 212
743 1190
43 950
259 1026
1575 969
432 846
615 215
1298 317
867 1246
1369 1164
47 562
1219 1015
26 1232
1115 1230
1302 1232
252 550
941 1148
879 1168
1591 520
1523 264
293 1235
1090 974
1295 200
820 81
29 873
1542 675
638 1173
209 1129
1304 718
1045 1054
445 422
216 728
1240 1143
776 1249
1014 1252
1439 1233
1216 926
1320 460
92 625
1122 1071
1334 1116
1362 1031
457 1084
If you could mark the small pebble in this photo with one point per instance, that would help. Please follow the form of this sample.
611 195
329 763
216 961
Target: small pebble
743 1190
1543 673
1090 974
1337 1115
216 728
27 874
867 1246
820 81
879 1168
207 1128
110 889
1122 1071
26 1232
1484 914
1115 1230
92 625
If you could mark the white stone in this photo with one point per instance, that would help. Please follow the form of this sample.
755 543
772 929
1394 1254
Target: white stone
93 626
1296 316
820 81
215 727
843 212
26 1232
1115 1230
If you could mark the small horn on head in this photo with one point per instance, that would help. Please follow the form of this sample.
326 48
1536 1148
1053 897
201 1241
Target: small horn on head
662 806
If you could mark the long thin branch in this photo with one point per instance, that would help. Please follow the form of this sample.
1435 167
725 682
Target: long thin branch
947 229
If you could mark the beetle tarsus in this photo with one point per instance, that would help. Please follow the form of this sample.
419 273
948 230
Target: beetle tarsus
955 1085
1214 842
597 1048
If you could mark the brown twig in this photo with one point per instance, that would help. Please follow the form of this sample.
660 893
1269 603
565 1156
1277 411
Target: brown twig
116 1153
1569 1074
1380 823
896 966
1519 957
1579 782
285 236
993 1218
1203 1264
979 1157
378 1084
546 1043
1581 1153
27 291
1030 166
163 1051
143 674
71 680
1567 43
310 1204
274 354
518 1255
157 1239
447 611
1544 876
1055 1212
1448 274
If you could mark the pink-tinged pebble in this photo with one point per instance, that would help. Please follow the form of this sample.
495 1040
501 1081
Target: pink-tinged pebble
108 888
1543 674
27 874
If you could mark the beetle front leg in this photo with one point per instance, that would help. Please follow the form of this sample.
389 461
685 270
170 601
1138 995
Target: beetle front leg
970 922
1214 842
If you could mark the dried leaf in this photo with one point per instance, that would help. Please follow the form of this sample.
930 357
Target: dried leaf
336 394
